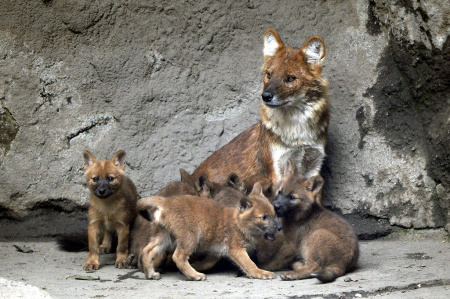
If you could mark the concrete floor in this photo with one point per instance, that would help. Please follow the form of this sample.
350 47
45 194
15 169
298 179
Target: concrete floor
408 264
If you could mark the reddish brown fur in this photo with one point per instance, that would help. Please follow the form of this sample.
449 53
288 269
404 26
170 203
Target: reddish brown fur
230 194
294 118
112 207
195 224
317 242
234 189
265 182
245 155
143 230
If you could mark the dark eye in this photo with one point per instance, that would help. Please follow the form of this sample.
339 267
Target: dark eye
290 79
279 192
268 75
95 179
264 217
110 179
292 197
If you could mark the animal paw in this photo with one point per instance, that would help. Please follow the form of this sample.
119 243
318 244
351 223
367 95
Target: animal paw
262 274
91 266
199 277
131 261
121 262
154 276
120 265
104 250
289 275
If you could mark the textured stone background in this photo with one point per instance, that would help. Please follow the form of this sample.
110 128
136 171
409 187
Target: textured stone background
172 81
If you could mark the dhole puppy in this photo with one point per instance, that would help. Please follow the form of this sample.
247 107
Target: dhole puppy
143 230
112 207
265 182
294 117
192 224
317 242
234 189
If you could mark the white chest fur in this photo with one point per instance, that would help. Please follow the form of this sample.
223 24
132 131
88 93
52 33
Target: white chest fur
308 159
279 155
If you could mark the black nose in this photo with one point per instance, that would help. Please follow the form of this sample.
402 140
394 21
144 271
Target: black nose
276 205
102 191
267 96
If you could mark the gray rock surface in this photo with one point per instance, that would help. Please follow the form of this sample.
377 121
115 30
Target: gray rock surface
170 82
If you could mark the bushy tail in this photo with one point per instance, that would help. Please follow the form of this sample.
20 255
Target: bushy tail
147 213
75 242
147 206
326 275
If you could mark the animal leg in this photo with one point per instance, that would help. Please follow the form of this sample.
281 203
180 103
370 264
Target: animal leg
151 255
123 233
285 255
300 271
106 243
206 264
180 257
241 258
93 262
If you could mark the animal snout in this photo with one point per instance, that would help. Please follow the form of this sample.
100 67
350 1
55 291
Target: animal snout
279 208
279 226
102 186
103 189
102 192
267 96
276 205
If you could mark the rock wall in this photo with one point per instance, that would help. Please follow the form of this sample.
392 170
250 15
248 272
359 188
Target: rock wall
172 81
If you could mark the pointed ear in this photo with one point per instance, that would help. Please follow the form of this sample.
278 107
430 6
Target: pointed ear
88 159
201 185
244 204
119 159
257 189
314 184
185 176
201 182
314 50
288 168
268 190
235 182
272 42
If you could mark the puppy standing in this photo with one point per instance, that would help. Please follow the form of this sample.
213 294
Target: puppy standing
143 230
317 243
194 224
112 207
294 117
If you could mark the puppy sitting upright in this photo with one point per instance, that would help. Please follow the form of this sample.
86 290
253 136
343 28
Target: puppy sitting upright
112 207
317 243
195 224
